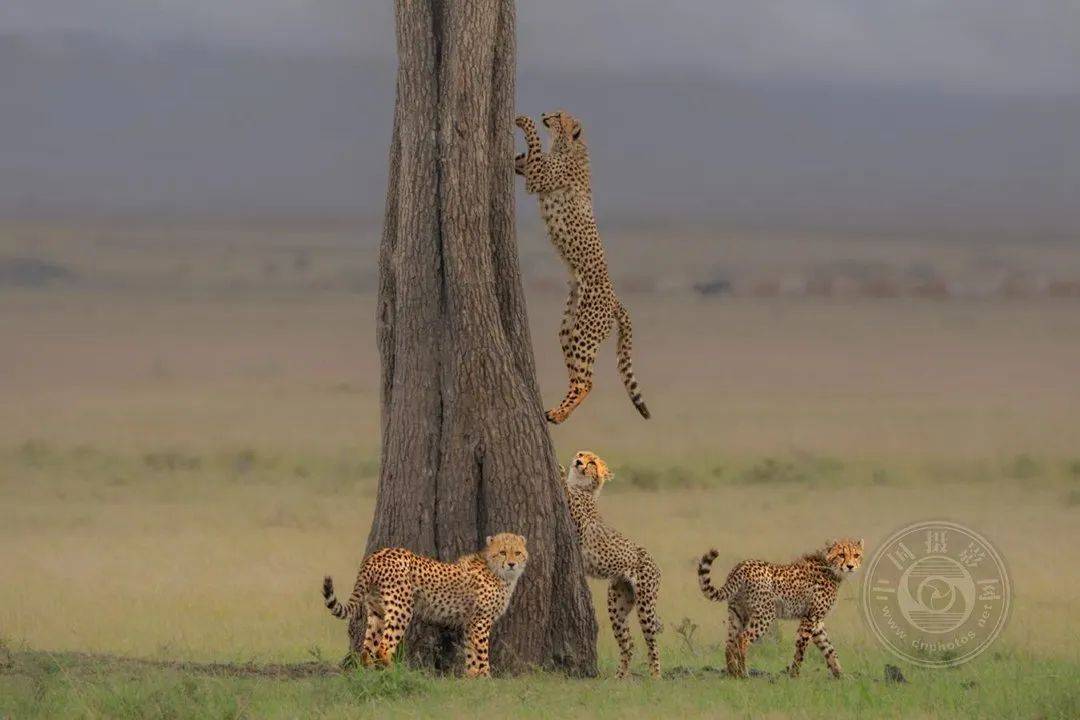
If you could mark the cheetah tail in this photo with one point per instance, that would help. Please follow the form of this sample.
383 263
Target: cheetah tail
705 582
336 608
626 368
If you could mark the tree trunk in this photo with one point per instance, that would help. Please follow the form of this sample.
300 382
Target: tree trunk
465 447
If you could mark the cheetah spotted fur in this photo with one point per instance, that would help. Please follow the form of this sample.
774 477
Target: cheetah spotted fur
608 555
560 179
395 586
758 592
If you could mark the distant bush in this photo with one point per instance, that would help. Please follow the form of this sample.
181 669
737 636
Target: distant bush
24 272
171 461
642 478
714 287
243 461
880 477
803 467
36 453
771 470
1023 467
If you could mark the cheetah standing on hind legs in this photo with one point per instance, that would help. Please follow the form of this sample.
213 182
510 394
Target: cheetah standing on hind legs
394 586
805 590
560 179
608 555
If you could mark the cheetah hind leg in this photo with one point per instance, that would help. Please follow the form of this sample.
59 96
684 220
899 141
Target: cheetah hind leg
398 613
731 650
373 633
566 329
759 622
620 603
648 588
592 325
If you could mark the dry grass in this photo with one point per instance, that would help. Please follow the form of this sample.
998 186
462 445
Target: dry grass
178 469
214 564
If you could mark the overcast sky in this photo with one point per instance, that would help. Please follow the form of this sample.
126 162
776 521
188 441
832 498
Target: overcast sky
998 46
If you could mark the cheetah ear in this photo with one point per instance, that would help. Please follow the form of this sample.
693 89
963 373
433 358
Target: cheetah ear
861 546
489 539
576 132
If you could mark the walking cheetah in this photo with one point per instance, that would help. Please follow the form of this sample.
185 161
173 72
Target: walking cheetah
560 179
395 585
608 555
758 592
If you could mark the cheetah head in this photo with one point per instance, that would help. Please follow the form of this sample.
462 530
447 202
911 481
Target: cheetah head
565 130
588 472
844 555
506 555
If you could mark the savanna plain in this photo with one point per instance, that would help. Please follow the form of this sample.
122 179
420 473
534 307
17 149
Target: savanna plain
189 441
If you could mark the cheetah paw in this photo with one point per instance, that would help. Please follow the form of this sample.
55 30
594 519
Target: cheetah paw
555 416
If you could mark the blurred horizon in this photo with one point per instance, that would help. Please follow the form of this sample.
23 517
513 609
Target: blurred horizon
284 109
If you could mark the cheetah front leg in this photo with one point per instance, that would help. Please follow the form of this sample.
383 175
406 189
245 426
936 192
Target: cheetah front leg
477 635
804 633
591 326
620 601
543 173
821 639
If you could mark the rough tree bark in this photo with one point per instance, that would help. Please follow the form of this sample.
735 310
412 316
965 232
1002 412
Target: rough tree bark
465 446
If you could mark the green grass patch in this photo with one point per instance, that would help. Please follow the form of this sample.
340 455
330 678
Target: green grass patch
36 686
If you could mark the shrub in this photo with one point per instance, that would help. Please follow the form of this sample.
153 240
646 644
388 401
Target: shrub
1023 467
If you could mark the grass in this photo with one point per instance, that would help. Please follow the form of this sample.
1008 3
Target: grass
179 467
62 686
211 560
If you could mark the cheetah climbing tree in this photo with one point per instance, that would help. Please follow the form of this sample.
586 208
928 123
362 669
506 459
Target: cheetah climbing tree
465 448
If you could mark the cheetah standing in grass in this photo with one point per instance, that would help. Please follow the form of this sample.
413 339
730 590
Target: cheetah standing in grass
560 179
635 578
395 585
758 592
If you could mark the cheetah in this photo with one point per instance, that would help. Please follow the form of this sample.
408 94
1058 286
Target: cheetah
608 555
560 179
395 586
758 592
